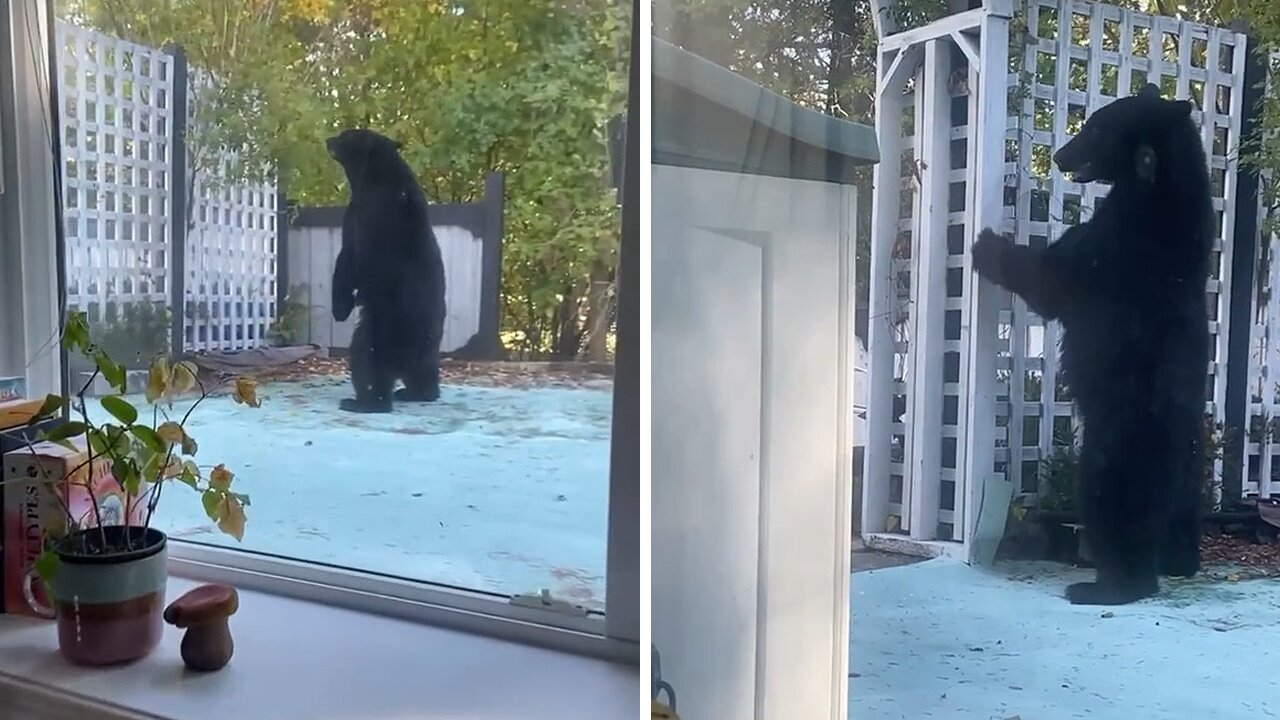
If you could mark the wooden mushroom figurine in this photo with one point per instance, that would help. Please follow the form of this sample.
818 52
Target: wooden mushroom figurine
205 613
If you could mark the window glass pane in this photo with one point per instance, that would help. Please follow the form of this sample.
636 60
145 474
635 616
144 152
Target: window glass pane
203 196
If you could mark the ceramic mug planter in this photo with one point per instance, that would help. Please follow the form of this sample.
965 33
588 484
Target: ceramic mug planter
109 608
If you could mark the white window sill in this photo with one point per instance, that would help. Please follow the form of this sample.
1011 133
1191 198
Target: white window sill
296 659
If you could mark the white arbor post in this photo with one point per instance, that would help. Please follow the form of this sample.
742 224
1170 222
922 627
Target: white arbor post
956 422
933 326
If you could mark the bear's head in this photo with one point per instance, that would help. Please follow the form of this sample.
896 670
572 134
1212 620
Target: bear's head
357 149
1123 140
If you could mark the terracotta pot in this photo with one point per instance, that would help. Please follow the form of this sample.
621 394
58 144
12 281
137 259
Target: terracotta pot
110 607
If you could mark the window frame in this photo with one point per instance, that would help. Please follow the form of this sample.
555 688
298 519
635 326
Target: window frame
36 216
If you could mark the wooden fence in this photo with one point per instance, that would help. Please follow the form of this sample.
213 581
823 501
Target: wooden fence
470 237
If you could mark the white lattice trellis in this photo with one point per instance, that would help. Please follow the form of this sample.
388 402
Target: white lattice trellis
118 147
1262 444
969 110
117 121
231 266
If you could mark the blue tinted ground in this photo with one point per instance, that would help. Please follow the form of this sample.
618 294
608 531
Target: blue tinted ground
492 488
942 640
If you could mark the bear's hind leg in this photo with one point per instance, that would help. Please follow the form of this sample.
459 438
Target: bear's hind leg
367 378
422 376
1125 525
1180 555
421 384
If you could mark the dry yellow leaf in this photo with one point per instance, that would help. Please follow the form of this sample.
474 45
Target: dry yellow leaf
231 517
171 432
183 379
247 392
220 477
157 379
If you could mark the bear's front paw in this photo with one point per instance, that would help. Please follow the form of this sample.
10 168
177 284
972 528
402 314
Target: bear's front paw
342 307
988 254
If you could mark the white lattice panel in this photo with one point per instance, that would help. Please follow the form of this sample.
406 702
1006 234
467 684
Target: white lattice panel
1262 445
1262 449
1076 58
118 145
116 119
955 113
231 265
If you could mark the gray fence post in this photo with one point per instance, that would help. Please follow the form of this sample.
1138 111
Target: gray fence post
489 337
178 204
1236 414
282 248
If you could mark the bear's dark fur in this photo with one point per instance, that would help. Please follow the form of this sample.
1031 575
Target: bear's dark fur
390 265
1129 288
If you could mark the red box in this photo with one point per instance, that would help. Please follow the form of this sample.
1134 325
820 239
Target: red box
32 510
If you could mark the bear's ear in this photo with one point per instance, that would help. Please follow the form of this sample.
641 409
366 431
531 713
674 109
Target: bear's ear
1151 90
1177 110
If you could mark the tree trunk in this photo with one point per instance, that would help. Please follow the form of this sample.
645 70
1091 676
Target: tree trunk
568 334
599 300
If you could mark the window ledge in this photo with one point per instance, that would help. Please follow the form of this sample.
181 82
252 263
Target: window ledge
297 659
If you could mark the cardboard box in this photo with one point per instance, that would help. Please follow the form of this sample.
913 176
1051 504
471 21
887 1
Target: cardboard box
16 413
34 482
13 388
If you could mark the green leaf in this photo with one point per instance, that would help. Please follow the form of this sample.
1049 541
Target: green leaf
126 473
189 478
66 430
212 501
53 404
148 437
109 439
75 333
120 409
47 565
114 374
98 441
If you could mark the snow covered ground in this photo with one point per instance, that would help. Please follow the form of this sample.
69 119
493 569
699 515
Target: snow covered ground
495 489
942 640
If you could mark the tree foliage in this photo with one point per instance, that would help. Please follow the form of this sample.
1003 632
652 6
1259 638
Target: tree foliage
469 86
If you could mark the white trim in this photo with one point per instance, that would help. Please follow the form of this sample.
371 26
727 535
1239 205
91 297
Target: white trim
378 595
902 545
929 289
887 180
27 204
978 447
32 701
843 500
967 20
388 668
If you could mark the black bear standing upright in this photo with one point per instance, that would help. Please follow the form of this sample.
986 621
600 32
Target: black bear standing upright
390 265
1129 288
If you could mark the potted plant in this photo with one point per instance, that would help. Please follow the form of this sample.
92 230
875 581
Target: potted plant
1056 510
104 581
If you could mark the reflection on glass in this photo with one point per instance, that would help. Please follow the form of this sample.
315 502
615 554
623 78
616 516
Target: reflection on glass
203 217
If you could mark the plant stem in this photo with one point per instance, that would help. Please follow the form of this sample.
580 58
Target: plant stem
89 484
